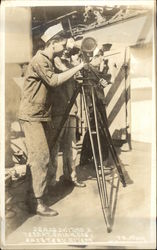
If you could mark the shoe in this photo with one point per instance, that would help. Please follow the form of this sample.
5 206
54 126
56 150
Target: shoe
79 184
108 171
68 181
44 210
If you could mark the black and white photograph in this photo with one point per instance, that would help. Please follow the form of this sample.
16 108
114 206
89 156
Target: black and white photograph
78 124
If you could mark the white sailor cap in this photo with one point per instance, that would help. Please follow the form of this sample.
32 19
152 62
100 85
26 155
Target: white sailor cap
51 32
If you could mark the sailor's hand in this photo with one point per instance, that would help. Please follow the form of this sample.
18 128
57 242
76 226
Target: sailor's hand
70 43
84 64
75 59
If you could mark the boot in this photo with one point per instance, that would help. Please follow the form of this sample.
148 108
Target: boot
79 184
44 210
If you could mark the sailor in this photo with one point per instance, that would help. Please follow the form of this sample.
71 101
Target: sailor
61 99
35 113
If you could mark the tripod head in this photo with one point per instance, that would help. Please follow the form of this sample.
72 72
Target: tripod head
89 50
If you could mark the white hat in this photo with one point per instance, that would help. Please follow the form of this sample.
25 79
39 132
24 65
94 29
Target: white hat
51 32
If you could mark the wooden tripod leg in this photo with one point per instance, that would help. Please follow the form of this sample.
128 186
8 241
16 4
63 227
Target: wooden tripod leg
104 127
99 169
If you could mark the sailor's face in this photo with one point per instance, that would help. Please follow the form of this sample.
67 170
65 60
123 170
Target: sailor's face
70 44
59 46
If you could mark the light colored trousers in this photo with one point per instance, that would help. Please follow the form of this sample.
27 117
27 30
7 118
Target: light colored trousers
67 141
41 171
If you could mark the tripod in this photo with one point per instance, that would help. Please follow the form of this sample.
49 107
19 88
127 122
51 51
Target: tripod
89 90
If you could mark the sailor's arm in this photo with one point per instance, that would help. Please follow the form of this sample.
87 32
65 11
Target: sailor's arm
53 79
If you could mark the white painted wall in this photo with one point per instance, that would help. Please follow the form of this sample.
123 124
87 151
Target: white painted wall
141 93
18 41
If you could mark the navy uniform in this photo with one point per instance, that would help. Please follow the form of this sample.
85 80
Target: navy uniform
35 115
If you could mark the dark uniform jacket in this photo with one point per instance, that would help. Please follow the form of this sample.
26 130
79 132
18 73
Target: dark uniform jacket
36 97
62 95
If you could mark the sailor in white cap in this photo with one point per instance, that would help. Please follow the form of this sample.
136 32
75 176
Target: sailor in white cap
51 32
35 114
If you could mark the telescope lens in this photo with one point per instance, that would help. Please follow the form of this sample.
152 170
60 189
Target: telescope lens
88 44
